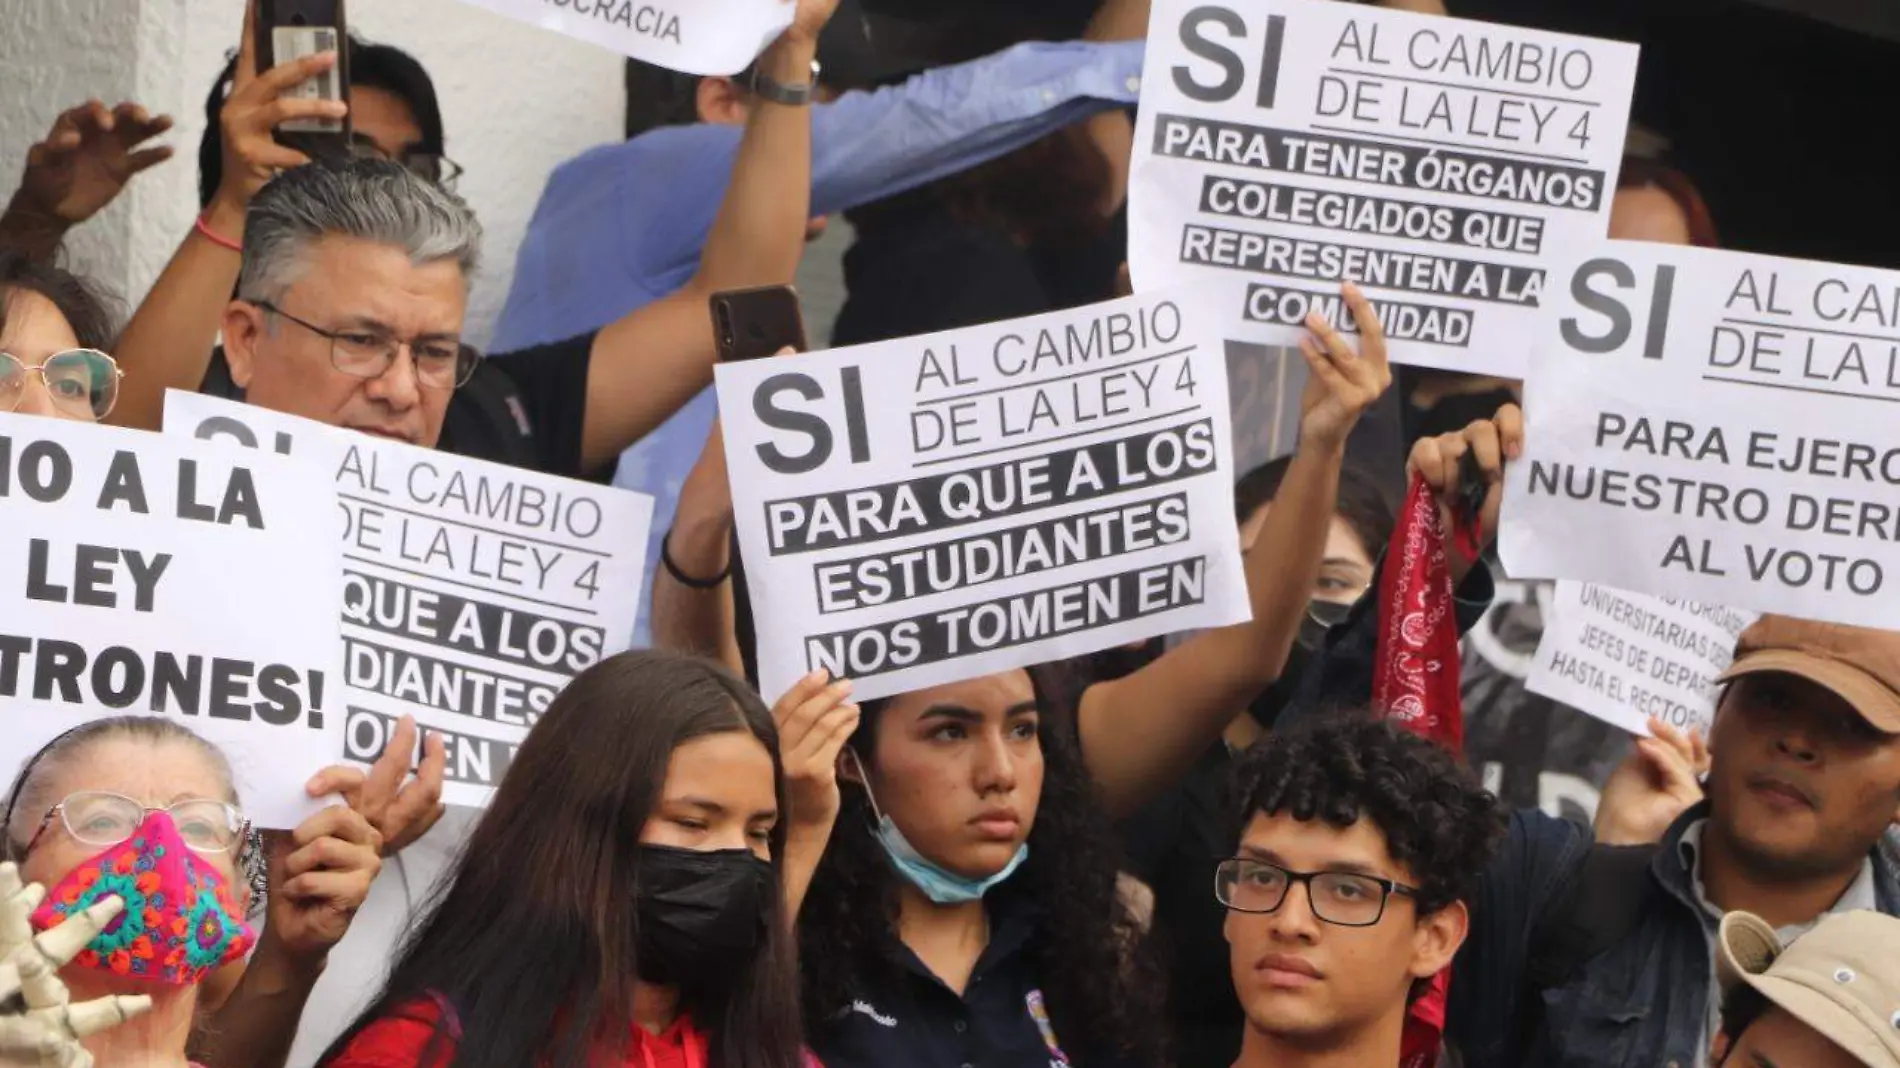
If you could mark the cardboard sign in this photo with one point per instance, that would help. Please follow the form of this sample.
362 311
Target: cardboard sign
1625 657
697 37
1724 428
471 592
1441 164
938 508
143 576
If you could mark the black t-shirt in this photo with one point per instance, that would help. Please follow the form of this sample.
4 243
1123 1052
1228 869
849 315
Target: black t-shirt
524 408
1173 845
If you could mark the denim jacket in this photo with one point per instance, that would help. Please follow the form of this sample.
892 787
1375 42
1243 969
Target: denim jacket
1641 1004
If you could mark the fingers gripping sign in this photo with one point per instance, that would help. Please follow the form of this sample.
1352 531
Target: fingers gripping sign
47 1033
814 722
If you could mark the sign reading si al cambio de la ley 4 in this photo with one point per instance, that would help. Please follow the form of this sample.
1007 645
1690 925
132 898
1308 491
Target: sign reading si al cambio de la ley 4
1718 427
472 592
937 508
141 576
1441 164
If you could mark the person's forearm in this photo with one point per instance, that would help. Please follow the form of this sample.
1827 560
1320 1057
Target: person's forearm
168 343
804 848
692 620
759 234
1118 20
257 1024
36 234
1141 732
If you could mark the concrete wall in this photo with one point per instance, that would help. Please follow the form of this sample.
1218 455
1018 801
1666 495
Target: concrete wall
515 101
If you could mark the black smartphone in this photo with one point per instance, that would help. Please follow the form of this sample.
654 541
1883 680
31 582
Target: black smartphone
292 29
750 323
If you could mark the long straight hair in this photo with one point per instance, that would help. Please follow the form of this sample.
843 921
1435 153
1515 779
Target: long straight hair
530 938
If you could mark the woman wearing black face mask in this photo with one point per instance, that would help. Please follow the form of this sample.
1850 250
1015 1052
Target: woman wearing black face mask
619 901
1173 843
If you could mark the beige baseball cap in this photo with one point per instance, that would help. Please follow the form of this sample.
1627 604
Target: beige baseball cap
1860 664
1842 978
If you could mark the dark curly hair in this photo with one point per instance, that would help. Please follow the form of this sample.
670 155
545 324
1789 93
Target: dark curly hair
1102 986
1437 821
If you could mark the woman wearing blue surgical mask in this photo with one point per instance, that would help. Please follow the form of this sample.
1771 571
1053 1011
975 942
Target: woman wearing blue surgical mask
142 810
966 911
54 330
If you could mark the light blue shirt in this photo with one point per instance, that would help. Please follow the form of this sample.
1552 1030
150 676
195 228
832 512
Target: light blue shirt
622 225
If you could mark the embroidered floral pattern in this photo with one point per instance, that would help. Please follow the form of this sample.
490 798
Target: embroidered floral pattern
180 920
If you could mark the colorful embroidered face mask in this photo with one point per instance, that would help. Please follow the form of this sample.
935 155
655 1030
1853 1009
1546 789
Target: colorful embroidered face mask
181 917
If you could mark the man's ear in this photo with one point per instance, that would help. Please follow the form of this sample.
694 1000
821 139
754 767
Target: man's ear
1437 940
723 101
1718 1049
243 325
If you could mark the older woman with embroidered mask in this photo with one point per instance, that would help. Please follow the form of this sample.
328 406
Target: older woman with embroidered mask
141 809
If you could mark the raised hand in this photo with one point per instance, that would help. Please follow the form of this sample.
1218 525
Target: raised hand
1490 443
320 874
401 809
254 110
1341 383
1656 783
47 1033
814 722
87 159
810 18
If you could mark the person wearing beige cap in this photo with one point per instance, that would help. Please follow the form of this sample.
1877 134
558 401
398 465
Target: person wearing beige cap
1592 955
1829 999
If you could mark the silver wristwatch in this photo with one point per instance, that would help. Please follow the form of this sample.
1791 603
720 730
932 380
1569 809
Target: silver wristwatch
779 93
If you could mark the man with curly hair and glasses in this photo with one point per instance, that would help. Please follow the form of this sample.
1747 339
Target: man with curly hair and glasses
1359 848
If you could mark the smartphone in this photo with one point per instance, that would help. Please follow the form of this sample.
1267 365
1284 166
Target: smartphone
750 323
292 29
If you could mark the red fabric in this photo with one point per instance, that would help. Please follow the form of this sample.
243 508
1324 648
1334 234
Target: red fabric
1416 683
400 1039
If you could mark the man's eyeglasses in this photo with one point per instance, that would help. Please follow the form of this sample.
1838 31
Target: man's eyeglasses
102 818
82 382
440 362
1345 899
429 166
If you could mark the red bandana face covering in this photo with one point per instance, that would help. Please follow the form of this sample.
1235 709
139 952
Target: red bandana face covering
1416 684
181 919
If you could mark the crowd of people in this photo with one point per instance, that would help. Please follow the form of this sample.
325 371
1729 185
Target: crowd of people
1206 851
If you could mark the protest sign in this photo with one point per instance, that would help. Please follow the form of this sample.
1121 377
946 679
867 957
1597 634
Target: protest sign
697 37
1723 427
1443 165
1626 657
471 592
142 576
937 508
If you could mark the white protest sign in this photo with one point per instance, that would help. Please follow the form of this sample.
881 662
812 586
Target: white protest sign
1722 428
694 36
140 575
1443 165
938 508
1625 657
472 592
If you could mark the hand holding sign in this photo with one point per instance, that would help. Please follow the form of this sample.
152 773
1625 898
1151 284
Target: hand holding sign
1657 782
814 722
1343 384
1441 462
320 875
400 811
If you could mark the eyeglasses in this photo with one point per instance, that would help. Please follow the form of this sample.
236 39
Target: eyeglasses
1344 899
429 166
82 382
440 363
101 818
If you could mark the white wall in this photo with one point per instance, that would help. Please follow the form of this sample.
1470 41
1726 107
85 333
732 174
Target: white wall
515 102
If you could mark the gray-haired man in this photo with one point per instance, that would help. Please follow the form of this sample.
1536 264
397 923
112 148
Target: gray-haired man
355 281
